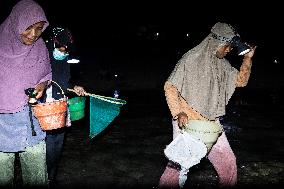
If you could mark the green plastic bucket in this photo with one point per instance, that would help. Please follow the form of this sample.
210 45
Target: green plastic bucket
77 108
207 131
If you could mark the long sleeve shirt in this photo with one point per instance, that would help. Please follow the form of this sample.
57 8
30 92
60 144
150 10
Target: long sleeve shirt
177 104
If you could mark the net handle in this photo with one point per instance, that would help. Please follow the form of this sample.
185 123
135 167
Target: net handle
104 98
59 87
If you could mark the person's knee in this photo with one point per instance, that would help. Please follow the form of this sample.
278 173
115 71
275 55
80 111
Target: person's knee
230 163
228 171
231 160
4 158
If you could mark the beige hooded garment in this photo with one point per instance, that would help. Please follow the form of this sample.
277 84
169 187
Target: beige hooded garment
204 81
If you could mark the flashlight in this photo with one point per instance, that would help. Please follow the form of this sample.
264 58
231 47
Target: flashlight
241 47
31 94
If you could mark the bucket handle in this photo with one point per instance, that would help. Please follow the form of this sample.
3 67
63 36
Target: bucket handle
59 88
104 98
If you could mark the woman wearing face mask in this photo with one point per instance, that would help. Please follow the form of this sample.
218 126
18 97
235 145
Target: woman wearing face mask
24 64
60 45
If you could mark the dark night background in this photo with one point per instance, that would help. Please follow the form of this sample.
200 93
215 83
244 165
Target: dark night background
111 34
120 37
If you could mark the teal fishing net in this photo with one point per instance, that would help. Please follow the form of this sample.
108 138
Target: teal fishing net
103 110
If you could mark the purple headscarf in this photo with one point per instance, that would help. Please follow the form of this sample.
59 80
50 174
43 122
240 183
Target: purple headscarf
21 66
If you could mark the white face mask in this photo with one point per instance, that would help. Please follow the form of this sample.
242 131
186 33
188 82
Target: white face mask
58 55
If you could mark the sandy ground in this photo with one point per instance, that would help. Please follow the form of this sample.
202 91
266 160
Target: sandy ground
129 153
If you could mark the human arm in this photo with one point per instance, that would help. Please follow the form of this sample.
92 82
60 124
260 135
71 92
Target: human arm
43 83
39 89
245 69
172 98
179 108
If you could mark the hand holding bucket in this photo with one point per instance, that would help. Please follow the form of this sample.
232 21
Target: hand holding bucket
52 115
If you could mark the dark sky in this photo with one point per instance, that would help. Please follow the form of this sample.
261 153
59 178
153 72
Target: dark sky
115 33
109 22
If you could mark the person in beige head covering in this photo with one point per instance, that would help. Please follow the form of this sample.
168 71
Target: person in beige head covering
199 88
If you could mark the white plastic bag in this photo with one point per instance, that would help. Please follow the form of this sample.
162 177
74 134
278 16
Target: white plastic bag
186 150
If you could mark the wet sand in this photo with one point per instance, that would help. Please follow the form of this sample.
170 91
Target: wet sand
129 153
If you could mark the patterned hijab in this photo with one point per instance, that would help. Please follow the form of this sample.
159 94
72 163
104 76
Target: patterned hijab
21 66
203 80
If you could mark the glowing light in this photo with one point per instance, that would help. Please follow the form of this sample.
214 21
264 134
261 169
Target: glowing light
73 61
